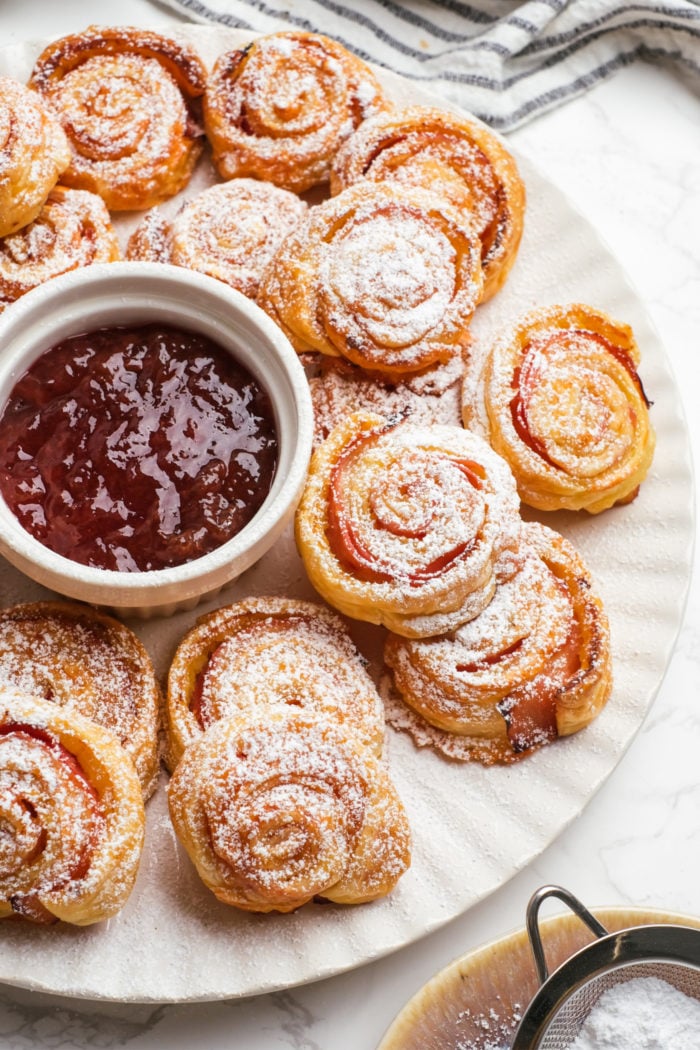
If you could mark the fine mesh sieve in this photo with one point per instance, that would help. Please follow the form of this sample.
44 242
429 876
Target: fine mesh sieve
556 1014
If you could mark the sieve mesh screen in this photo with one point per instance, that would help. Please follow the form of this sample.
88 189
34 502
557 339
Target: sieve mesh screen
566 1022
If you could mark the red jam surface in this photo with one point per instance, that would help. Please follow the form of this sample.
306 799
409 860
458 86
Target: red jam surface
136 448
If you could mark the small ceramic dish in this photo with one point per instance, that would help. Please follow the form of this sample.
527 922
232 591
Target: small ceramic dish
121 294
476 1002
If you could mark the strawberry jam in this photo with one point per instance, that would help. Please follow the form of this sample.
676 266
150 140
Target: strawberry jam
136 448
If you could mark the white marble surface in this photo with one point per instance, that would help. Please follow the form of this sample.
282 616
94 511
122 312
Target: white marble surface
628 154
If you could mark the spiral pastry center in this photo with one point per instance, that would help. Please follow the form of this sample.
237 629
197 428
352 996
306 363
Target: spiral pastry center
405 504
115 106
291 830
22 837
30 245
295 109
392 276
574 403
399 512
528 620
249 236
303 95
287 837
50 817
108 109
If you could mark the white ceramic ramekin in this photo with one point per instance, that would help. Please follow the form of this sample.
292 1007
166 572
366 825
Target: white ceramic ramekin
119 294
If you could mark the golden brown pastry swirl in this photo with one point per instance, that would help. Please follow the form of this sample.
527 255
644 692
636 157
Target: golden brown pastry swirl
401 524
265 653
73 229
125 97
461 159
280 108
82 659
276 811
559 397
33 153
383 275
71 815
229 231
533 666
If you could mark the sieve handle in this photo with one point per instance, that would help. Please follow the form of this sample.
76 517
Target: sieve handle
533 928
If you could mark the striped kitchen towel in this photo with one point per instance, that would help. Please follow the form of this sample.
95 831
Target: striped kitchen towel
505 60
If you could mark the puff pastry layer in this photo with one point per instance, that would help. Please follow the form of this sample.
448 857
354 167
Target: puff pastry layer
263 654
33 152
560 398
274 812
126 98
534 666
461 159
339 388
71 814
384 275
72 229
401 524
229 231
280 109
90 663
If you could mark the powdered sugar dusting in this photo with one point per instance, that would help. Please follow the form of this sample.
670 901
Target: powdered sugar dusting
456 157
429 507
129 135
461 748
528 607
267 654
123 98
339 388
275 813
538 639
397 277
514 813
73 229
63 825
283 45
496 1026
33 153
71 815
149 241
88 664
281 110
401 275
229 231
643 1013
423 146
301 666
295 829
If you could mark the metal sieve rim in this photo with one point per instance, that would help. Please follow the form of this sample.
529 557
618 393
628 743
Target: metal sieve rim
662 943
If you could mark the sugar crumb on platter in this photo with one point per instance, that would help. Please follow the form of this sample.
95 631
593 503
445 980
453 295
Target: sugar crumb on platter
509 814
